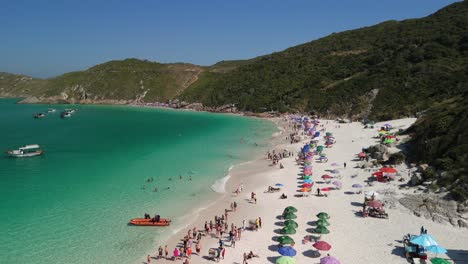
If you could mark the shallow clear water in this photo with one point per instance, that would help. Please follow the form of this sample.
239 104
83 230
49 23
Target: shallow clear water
73 203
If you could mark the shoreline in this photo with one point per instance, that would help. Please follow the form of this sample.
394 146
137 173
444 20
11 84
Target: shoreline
249 173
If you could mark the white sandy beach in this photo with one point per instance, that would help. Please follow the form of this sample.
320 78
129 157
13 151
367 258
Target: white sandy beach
354 239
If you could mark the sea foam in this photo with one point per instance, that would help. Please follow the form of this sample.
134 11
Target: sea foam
219 185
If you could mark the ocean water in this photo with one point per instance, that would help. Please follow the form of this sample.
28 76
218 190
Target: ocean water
72 205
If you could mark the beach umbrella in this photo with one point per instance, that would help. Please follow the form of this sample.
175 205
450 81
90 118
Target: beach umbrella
329 260
362 155
323 215
307 185
287 251
308 181
291 225
374 204
326 176
307 177
289 216
357 185
337 183
335 164
286 260
288 230
322 245
321 230
279 185
285 240
322 222
388 170
291 209
335 171
436 249
290 222
439 261
326 189
424 240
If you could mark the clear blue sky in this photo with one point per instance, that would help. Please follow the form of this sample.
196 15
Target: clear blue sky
50 37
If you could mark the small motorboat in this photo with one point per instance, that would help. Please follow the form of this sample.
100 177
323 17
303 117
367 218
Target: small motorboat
66 114
149 222
26 151
51 110
39 115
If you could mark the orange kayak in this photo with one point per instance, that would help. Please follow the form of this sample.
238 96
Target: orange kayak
148 222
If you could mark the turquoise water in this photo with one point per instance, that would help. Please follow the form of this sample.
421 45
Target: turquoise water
73 203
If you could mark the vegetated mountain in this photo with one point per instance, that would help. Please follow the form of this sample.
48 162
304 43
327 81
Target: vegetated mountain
388 70
440 138
114 81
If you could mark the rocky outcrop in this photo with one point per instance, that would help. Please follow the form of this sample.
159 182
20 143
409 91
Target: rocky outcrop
378 152
437 209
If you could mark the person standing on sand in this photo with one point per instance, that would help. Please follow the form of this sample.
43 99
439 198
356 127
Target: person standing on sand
260 222
166 252
345 165
318 191
223 252
148 259
245 259
160 251
198 248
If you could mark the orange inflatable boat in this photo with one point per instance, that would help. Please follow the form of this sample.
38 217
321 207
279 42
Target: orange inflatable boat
149 222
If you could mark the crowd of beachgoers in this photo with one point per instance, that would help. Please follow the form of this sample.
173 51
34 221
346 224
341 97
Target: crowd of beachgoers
312 188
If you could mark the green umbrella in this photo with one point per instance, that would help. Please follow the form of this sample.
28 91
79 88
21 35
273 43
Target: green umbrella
292 225
322 222
439 261
322 230
289 216
288 230
286 260
291 222
285 240
306 177
323 215
291 208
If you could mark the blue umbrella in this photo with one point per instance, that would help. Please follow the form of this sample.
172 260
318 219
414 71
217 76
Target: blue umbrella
436 249
357 185
287 251
279 185
308 181
424 240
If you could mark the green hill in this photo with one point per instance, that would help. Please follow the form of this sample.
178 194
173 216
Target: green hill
388 70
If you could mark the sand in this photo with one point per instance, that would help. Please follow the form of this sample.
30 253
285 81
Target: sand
354 239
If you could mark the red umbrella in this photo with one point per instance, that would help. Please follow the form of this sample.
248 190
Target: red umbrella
307 185
377 174
362 154
326 176
326 189
374 204
322 245
388 170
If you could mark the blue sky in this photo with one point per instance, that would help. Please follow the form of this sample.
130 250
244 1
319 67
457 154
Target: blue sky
51 37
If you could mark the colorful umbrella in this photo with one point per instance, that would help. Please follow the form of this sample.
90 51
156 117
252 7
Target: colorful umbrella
323 215
289 216
291 225
285 240
322 245
307 185
290 222
326 189
388 170
304 190
362 155
291 209
326 176
335 171
436 249
337 183
288 230
322 222
439 261
335 164
308 181
321 230
286 260
287 251
424 240
329 260
374 204
357 185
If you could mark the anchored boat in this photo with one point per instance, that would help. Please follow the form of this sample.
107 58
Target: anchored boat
26 151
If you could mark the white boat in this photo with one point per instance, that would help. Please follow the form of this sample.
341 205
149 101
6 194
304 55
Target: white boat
66 114
51 110
39 115
26 151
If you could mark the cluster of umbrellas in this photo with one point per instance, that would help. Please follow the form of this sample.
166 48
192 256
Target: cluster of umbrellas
431 245
287 252
321 245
